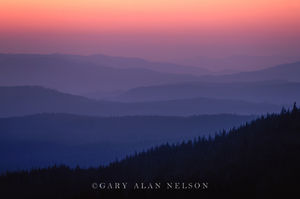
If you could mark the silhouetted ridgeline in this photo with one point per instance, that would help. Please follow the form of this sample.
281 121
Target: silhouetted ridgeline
256 159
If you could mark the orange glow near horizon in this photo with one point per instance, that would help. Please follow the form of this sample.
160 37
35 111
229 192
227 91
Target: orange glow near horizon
128 20
103 15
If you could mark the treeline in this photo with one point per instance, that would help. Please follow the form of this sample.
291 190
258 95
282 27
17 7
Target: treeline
256 160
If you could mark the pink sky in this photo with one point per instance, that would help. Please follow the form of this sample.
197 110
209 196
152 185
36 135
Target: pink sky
168 30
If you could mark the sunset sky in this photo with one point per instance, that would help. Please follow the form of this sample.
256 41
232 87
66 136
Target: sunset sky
154 29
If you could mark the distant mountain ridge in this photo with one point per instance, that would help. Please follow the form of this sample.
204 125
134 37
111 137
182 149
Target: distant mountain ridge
284 72
239 62
101 76
278 92
133 62
25 100
76 74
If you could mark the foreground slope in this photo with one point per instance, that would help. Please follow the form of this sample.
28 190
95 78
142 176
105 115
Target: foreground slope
255 160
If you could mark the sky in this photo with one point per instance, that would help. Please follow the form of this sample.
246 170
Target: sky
161 30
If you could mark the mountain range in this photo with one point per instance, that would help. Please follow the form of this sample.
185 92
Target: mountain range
278 92
284 72
74 108
237 63
46 139
257 160
26 100
76 75
101 76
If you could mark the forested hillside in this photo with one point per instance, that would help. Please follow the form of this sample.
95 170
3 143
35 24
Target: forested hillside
254 160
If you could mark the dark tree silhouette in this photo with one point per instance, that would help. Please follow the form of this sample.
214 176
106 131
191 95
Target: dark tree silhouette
256 160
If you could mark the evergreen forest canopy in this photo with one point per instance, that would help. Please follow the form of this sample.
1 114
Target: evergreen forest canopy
258 158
